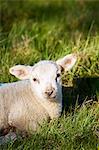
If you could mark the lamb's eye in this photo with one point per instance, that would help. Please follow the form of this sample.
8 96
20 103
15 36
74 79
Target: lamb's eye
58 75
35 80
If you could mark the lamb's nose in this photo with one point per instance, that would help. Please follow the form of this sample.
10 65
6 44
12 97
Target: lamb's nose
49 92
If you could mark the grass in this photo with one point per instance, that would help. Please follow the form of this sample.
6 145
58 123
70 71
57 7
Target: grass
31 31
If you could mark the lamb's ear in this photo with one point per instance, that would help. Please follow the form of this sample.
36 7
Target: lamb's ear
67 62
20 71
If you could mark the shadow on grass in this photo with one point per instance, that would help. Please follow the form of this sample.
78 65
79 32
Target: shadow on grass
85 89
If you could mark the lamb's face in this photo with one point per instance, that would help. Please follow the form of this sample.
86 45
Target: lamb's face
45 76
45 81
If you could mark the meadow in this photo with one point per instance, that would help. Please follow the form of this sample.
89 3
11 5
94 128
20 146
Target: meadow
31 31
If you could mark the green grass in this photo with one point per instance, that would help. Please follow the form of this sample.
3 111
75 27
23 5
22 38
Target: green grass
32 31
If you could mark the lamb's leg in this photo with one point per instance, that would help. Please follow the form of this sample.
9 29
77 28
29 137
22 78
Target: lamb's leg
18 120
22 119
3 116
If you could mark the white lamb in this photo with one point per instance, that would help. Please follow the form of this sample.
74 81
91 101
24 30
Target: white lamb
26 104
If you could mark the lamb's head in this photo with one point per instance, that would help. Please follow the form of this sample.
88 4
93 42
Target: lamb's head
45 77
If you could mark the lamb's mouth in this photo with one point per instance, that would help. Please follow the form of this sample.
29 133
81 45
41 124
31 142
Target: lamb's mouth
53 98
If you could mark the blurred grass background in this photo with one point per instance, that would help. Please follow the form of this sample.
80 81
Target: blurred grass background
33 30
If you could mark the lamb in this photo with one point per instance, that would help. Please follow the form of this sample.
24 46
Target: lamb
37 98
